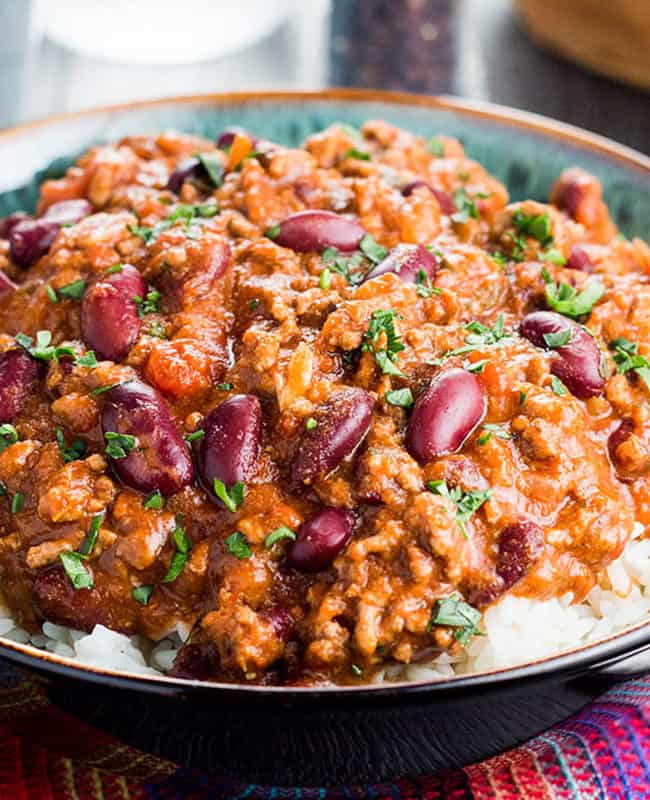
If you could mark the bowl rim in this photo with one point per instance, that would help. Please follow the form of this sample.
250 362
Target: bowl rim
473 108
600 653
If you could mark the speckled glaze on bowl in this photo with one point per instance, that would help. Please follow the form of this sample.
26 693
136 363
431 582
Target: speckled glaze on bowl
333 734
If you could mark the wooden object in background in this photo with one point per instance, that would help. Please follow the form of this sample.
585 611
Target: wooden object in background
609 36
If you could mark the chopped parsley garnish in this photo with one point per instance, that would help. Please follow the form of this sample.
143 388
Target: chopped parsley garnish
80 576
232 498
154 501
150 304
356 669
106 388
325 281
73 452
310 423
254 304
115 268
49 291
565 299
466 206
225 387
558 387
423 285
522 398
342 265
400 397
157 329
537 226
466 502
186 214
238 546
499 258
435 146
182 554
372 249
17 502
626 357
88 360
552 256
213 165
43 349
142 594
119 445
273 232
85 549
3 490
283 532
358 154
492 429
479 337
558 339
195 435
383 321
8 436
477 366
455 613
73 291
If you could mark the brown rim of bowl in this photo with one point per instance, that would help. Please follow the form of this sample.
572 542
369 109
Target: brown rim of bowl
482 110
473 108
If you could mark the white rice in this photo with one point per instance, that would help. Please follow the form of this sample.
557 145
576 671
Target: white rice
517 629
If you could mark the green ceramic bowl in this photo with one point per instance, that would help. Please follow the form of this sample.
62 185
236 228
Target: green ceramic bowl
525 151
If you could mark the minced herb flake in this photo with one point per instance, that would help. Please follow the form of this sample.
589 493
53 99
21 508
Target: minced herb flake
119 445
627 358
8 436
381 322
232 498
455 613
466 502
238 545
565 299
76 570
283 532
71 452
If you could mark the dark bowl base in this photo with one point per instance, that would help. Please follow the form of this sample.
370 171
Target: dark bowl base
329 746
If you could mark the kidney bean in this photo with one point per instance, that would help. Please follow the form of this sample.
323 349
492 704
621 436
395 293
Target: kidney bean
187 169
18 376
56 600
577 363
579 259
445 415
316 230
406 261
9 223
519 546
197 660
109 316
444 199
31 239
319 539
341 424
616 438
161 459
230 448
227 137
280 620
68 212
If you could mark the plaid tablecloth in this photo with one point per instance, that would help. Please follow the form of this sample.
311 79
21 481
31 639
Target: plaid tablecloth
601 752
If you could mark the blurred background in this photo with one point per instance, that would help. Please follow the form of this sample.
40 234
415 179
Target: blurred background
586 62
